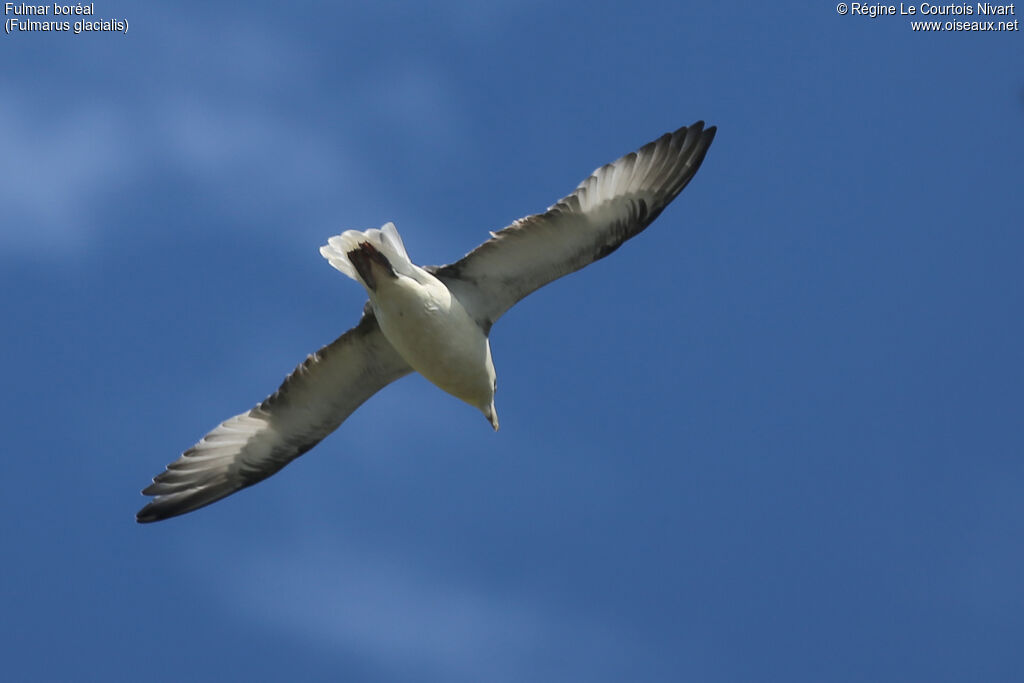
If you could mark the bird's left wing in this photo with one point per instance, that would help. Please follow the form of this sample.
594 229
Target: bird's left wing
615 203
317 397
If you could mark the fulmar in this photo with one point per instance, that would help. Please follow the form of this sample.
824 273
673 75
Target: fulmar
435 320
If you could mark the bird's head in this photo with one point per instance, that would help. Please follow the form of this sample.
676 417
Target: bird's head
491 414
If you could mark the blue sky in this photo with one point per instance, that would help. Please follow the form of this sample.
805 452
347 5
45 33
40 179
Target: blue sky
775 437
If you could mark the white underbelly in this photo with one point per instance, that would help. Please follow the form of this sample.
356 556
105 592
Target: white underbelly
433 333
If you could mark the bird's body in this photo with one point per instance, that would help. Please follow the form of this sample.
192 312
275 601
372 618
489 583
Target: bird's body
433 320
427 324
431 330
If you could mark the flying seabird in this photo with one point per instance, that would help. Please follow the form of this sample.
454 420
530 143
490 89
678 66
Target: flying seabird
434 320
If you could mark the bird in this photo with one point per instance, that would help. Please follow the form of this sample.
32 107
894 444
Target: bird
435 320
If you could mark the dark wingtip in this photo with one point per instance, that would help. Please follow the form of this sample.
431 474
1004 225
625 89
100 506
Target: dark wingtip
182 502
698 126
147 515
159 510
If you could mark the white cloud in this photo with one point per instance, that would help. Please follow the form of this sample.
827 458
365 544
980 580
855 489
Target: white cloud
406 621
63 167
65 161
205 109
54 167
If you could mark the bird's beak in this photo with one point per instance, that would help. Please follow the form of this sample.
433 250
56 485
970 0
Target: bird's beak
492 416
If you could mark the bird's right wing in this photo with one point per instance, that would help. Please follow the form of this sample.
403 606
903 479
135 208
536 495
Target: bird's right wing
317 397
614 204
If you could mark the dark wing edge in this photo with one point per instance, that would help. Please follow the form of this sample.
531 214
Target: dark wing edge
614 204
311 403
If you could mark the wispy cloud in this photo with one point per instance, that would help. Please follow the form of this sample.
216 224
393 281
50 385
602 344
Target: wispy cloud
213 108
208 119
404 620
65 166
54 170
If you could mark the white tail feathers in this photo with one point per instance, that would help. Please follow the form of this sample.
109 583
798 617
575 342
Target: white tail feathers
386 240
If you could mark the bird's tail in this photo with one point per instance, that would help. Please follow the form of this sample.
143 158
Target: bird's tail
385 240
